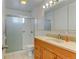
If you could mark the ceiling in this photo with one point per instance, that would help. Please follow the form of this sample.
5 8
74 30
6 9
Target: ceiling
15 4
31 4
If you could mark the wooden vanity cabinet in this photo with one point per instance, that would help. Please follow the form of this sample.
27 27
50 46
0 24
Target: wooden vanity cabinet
44 50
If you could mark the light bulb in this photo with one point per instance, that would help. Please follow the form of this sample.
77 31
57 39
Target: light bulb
51 2
43 6
47 4
23 2
23 20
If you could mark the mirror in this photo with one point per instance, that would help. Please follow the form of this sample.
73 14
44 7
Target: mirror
61 18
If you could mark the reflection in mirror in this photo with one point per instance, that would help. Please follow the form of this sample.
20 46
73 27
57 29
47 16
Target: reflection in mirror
47 25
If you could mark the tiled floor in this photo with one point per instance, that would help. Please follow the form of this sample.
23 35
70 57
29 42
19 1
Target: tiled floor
21 55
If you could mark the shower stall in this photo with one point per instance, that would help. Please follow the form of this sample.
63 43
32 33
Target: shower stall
19 32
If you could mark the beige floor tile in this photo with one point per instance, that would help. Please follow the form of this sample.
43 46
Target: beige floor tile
18 56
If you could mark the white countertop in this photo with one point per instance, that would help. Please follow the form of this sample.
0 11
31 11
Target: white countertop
71 46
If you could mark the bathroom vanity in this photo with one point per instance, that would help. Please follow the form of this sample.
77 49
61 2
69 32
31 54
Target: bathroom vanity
52 48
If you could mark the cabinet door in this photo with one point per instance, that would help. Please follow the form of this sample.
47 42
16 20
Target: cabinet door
48 55
37 53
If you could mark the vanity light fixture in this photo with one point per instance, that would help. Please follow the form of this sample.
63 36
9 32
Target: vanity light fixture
54 3
50 5
43 6
23 2
47 5
51 2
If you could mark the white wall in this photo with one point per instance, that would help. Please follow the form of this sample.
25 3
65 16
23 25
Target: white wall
38 14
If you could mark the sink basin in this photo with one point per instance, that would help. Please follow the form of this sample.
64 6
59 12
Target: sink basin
56 40
52 39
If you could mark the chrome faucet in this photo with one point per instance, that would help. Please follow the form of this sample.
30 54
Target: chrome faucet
59 36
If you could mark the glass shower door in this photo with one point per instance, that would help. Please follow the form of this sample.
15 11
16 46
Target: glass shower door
19 32
13 33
